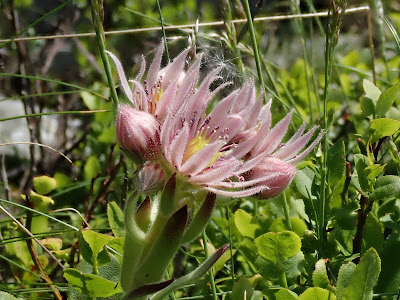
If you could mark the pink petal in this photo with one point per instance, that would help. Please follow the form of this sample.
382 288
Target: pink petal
178 145
139 96
142 69
247 183
220 111
238 194
122 77
270 142
167 100
290 150
216 174
308 150
174 69
245 97
202 158
152 74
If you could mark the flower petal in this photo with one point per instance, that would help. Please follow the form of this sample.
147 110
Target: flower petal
122 77
152 74
202 158
291 149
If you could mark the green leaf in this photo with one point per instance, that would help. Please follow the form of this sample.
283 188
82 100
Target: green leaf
92 167
386 100
277 247
92 102
280 294
242 289
336 163
364 277
367 106
92 285
361 163
96 240
245 223
386 186
44 184
316 293
294 265
7 296
373 235
371 90
389 279
320 278
220 263
344 276
116 219
384 127
303 181
298 225
52 243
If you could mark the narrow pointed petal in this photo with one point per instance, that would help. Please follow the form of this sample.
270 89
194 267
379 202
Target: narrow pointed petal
177 148
220 111
217 174
167 100
297 134
174 69
202 158
290 150
270 142
122 77
152 74
238 193
308 150
142 69
139 98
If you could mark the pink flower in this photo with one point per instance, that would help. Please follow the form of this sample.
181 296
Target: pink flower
137 133
232 151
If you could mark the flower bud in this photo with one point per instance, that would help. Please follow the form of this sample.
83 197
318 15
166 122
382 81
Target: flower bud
277 173
150 179
137 133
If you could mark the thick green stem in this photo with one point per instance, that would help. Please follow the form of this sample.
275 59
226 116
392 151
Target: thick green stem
133 246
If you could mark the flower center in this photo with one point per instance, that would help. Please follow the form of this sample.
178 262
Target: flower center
200 140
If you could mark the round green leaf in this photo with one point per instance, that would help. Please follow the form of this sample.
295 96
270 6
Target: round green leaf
245 223
44 184
298 225
277 247
316 293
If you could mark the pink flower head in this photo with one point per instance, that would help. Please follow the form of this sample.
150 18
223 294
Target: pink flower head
137 133
232 151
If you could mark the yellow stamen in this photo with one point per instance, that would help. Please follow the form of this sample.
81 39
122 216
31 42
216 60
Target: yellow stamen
156 98
199 142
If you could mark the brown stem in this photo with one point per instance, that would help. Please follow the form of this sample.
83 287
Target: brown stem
41 270
365 209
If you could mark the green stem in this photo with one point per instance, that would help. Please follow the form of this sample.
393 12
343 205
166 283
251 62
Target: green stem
282 279
133 246
98 27
286 211
230 246
163 30
212 282
255 47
